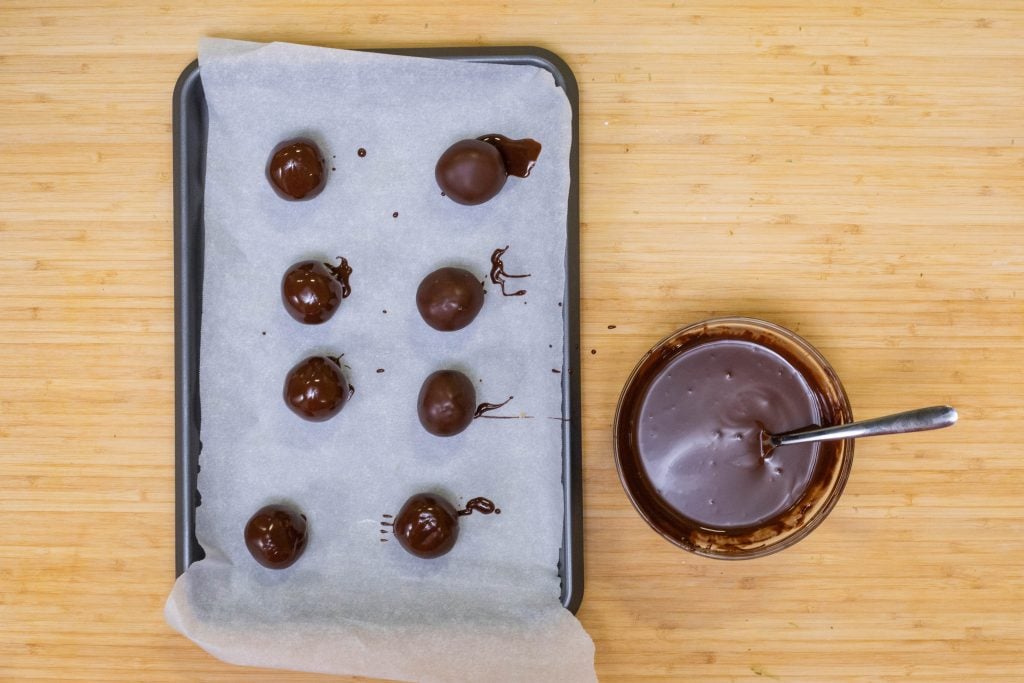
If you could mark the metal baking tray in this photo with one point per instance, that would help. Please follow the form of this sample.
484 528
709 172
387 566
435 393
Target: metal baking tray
190 129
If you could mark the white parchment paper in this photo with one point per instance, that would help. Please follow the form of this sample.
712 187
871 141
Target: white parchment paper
489 610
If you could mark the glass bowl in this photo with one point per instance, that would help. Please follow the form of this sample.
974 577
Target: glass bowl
806 503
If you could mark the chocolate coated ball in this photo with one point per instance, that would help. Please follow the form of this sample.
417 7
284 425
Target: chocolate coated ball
471 172
316 389
447 403
311 291
296 170
427 525
276 536
449 298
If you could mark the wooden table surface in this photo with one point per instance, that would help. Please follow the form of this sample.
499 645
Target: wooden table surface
852 170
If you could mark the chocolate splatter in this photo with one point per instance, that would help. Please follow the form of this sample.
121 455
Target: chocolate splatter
498 274
488 407
342 271
481 505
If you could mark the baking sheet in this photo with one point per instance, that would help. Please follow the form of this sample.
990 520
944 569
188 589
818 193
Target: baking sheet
498 568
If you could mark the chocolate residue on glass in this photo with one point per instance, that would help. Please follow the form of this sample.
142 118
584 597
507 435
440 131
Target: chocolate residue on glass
361 152
519 156
481 505
498 273
488 407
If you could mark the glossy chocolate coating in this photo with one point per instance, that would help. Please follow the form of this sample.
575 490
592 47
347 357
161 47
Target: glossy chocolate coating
447 403
276 536
449 298
427 525
699 434
311 291
316 389
519 156
471 172
296 170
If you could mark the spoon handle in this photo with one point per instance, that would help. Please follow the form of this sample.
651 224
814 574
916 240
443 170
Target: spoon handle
918 420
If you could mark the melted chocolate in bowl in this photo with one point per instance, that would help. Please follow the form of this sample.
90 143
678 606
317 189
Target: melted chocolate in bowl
699 436
688 438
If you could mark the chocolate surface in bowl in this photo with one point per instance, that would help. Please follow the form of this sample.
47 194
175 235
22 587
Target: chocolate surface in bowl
688 438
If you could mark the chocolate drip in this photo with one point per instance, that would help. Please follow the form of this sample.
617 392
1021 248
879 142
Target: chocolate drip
488 407
342 272
481 505
498 274
519 156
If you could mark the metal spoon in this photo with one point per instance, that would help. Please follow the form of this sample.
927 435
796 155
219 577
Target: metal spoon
922 419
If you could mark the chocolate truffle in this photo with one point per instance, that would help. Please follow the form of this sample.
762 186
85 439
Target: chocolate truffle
296 170
311 291
427 525
316 389
471 172
276 536
449 298
447 403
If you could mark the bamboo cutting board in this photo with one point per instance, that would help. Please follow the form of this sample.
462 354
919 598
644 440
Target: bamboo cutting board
851 170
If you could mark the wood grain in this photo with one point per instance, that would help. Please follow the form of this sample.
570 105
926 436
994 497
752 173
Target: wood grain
851 170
